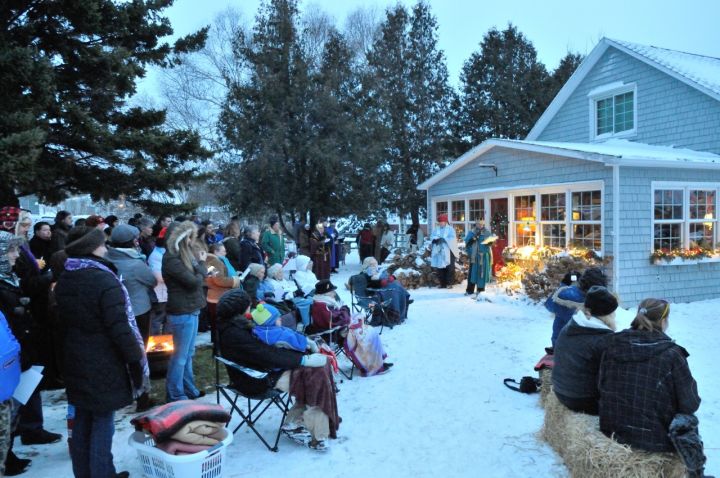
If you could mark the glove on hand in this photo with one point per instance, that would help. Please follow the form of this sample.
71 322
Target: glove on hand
312 346
314 360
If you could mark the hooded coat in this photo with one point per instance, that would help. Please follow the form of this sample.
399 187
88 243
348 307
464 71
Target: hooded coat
136 275
644 382
184 284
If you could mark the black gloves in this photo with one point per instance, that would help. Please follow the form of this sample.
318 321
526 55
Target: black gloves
299 293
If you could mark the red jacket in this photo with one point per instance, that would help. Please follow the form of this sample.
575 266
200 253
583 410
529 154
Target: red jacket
325 317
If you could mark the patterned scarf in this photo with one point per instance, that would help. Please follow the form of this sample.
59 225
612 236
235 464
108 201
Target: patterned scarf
75 264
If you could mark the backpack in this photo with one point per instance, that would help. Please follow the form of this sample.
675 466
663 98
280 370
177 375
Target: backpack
9 361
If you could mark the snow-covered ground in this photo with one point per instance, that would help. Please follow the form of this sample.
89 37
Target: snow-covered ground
443 409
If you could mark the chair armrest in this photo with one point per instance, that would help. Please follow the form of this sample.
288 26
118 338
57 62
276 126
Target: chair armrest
247 370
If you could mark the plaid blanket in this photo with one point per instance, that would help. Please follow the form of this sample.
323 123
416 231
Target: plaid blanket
164 421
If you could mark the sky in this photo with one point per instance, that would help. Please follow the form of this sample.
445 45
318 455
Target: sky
554 26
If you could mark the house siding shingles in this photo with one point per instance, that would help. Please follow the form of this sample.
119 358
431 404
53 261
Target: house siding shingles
669 112
521 168
638 278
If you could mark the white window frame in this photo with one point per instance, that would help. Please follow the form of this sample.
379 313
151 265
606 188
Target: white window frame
611 91
464 222
509 193
686 187
553 222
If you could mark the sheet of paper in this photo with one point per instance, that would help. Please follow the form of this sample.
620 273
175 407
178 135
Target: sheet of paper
29 380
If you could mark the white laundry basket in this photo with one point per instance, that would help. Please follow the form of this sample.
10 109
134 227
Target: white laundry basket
158 464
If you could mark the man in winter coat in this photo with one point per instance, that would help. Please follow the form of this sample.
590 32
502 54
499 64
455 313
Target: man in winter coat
578 351
273 243
104 356
63 224
570 298
250 251
41 243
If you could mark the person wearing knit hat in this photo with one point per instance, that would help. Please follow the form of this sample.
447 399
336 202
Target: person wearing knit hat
306 375
444 251
265 314
105 363
95 221
579 349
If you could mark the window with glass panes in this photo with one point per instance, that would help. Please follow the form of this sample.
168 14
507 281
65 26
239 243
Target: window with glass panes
525 220
668 219
701 219
441 207
615 114
457 217
552 219
586 220
476 210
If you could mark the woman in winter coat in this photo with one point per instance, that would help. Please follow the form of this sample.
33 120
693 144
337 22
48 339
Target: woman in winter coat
105 363
250 251
184 272
387 241
320 246
232 245
645 383
568 299
304 278
578 351
313 417
273 242
222 277
282 289
381 280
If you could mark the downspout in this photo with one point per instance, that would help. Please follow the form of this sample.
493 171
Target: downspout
616 228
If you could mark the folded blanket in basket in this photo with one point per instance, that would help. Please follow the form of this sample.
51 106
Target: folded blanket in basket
200 432
164 421
174 447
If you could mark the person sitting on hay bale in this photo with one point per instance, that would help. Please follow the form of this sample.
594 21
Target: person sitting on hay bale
647 394
578 350
570 298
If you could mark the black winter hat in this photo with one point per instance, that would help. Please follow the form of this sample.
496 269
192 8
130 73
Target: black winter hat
600 301
591 277
232 303
82 241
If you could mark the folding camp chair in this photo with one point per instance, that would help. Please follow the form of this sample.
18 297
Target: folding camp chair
328 336
368 300
257 404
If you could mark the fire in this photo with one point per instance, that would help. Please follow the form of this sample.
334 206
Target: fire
160 343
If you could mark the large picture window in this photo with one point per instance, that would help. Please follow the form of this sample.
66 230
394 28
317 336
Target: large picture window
684 218
552 220
586 220
525 221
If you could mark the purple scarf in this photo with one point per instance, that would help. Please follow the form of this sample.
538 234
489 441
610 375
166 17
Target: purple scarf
74 264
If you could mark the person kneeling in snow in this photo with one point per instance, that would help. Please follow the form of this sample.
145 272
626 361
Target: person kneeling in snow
569 298
578 351
307 377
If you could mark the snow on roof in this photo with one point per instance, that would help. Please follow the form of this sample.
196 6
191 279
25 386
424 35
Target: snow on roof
698 71
703 70
614 151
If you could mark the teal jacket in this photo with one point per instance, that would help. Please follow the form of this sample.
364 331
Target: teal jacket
274 245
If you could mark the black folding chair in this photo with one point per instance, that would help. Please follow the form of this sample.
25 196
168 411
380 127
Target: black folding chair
329 336
257 403
368 300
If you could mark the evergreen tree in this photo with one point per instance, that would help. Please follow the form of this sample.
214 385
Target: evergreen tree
297 134
504 88
568 65
408 89
67 68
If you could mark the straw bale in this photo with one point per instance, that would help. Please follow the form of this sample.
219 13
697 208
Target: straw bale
546 381
588 453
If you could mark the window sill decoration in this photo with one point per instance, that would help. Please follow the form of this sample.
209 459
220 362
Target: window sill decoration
674 257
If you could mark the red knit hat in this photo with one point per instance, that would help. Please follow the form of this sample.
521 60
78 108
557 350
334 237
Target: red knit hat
442 218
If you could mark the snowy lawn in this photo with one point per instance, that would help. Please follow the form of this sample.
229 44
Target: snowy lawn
443 409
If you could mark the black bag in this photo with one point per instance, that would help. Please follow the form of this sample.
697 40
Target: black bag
526 385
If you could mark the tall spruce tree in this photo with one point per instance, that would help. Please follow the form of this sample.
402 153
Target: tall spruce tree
67 69
296 132
409 91
504 88
568 65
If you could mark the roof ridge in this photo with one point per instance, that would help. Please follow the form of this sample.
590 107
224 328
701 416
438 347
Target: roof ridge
625 42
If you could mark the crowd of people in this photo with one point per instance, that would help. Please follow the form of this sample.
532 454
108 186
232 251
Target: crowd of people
83 297
637 380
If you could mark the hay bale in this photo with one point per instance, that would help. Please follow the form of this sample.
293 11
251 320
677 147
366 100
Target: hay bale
588 453
546 381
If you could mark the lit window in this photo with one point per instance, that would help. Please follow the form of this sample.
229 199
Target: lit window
525 221
585 220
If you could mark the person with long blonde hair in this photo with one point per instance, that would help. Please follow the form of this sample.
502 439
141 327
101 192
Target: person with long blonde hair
184 273
645 382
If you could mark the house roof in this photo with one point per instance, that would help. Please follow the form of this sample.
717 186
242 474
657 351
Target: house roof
698 71
611 152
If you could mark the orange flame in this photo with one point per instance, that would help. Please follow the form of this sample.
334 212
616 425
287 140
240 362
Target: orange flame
160 343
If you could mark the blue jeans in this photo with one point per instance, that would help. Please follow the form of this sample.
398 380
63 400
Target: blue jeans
91 444
180 384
